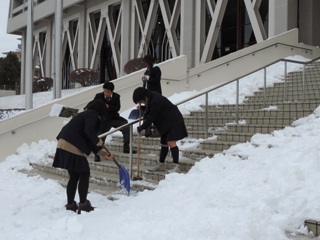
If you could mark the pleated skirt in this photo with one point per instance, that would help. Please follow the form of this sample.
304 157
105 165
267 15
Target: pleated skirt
70 161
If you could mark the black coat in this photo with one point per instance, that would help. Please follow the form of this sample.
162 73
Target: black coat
114 105
154 84
162 113
82 131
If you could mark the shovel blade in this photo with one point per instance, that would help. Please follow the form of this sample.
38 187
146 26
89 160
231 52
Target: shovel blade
124 179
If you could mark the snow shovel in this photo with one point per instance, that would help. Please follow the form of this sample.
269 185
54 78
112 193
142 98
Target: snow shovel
135 114
58 110
124 177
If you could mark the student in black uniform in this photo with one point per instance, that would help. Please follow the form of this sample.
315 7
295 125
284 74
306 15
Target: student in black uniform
113 104
152 76
78 138
167 119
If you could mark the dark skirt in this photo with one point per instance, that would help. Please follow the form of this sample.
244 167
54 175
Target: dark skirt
175 133
69 161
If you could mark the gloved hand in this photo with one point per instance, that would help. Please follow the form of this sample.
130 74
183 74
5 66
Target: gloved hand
145 78
100 143
107 155
104 153
139 129
110 157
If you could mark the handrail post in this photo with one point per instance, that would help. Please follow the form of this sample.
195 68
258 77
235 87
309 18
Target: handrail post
237 102
131 148
264 86
207 116
285 80
303 80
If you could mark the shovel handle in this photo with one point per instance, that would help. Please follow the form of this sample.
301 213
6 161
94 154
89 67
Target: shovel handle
114 160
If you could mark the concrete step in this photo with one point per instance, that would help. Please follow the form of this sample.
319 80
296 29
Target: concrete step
261 105
268 112
285 97
234 136
63 180
284 88
194 122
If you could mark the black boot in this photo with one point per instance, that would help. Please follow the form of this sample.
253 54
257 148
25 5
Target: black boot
72 207
86 206
126 149
97 158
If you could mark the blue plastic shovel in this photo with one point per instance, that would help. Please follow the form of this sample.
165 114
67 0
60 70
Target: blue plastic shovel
124 177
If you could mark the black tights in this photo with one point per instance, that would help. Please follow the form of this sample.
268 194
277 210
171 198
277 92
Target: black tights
83 179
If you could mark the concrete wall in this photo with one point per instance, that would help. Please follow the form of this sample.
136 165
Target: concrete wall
4 93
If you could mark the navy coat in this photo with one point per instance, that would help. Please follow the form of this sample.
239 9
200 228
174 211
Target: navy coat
114 105
154 84
82 131
163 114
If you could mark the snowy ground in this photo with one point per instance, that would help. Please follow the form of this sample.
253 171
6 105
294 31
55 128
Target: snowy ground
265 194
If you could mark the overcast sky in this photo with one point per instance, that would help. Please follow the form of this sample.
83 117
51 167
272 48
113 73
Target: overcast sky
8 42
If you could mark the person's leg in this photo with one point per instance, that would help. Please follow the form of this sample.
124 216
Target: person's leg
162 156
72 186
174 151
83 186
175 156
71 191
85 204
163 153
125 132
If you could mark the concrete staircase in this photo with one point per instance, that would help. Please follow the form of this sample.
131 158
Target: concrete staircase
284 103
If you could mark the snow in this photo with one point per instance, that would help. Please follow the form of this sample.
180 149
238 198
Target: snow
55 110
262 189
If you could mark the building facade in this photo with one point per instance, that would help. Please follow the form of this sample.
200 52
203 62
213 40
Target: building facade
105 34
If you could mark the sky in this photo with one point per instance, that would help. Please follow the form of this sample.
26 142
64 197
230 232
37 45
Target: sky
266 194
8 42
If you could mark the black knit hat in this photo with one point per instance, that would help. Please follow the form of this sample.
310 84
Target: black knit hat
139 94
109 86
99 106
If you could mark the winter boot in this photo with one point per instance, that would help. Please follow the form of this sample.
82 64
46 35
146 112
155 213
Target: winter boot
97 158
176 168
72 207
86 206
126 149
158 167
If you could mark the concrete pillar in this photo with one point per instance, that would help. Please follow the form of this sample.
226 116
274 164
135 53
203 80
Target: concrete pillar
82 36
187 41
309 18
125 34
282 16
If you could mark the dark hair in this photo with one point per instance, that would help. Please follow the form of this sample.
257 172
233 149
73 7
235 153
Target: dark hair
139 94
99 106
149 60
109 86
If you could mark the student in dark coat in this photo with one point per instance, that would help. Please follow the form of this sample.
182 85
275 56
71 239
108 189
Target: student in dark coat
78 138
167 119
112 102
152 76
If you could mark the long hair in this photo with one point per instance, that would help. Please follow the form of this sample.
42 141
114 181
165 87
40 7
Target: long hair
149 60
99 106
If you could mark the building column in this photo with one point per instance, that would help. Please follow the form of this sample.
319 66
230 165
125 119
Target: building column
187 41
125 34
309 18
82 36
282 16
